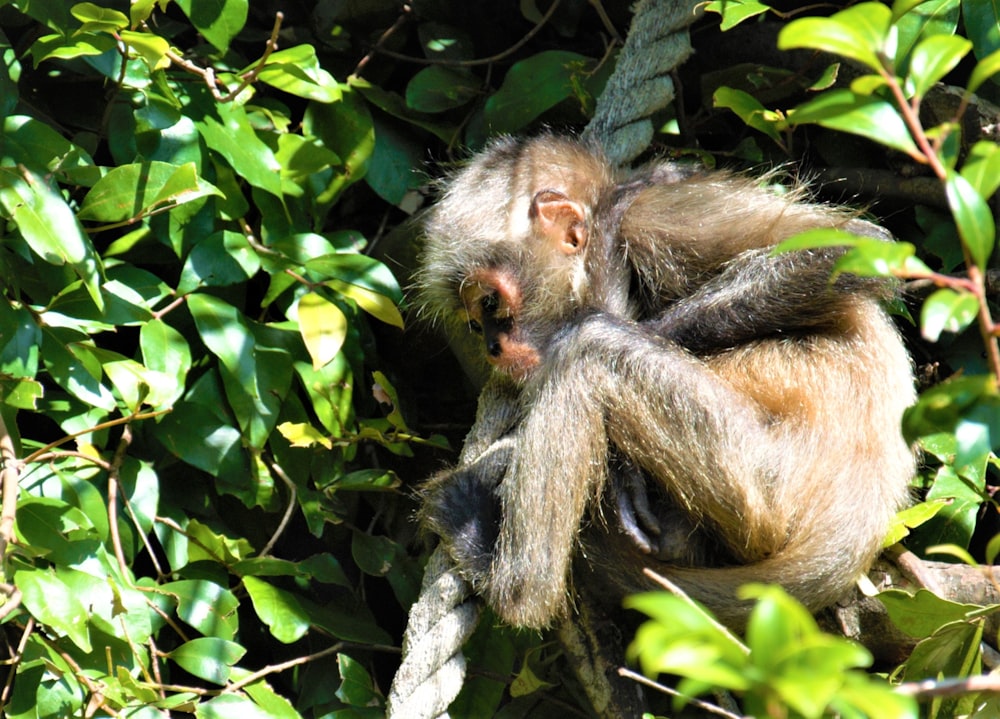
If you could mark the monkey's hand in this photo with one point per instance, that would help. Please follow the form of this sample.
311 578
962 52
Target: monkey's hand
655 527
461 506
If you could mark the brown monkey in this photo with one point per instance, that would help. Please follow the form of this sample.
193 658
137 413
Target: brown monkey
744 407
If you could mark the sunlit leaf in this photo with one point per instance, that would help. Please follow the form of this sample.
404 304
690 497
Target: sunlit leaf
208 658
323 327
217 20
865 115
947 311
933 58
49 227
972 217
375 304
858 33
278 609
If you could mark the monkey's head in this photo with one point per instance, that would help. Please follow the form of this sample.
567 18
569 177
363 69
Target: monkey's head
508 244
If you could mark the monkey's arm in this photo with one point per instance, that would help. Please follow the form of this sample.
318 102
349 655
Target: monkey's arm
760 296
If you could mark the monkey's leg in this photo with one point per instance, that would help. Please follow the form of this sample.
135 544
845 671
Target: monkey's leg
606 382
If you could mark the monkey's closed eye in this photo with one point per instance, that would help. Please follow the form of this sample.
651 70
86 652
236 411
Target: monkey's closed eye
475 327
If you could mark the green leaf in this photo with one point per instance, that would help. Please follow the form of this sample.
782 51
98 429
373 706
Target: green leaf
208 658
296 70
217 20
69 47
131 192
533 86
98 19
206 606
223 330
356 687
347 129
860 33
52 602
868 116
278 609
734 12
982 168
227 130
233 706
49 227
75 370
985 69
323 327
982 24
221 259
749 109
151 48
438 88
972 217
34 144
374 303
165 350
947 311
933 58
355 269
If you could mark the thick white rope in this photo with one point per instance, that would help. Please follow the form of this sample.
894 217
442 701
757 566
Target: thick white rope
433 669
656 43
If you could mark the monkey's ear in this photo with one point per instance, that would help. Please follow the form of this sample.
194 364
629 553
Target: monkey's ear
560 220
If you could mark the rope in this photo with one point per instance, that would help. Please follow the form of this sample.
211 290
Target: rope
433 668
657 42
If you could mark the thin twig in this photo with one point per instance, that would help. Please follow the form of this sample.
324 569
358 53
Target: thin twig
10 489
694 701
289 510
481 61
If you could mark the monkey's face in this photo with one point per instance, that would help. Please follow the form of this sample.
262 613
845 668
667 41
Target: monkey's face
492 300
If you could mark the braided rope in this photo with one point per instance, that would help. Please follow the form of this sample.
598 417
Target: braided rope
433 669
657 42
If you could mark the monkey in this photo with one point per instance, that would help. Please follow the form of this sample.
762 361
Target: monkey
736 413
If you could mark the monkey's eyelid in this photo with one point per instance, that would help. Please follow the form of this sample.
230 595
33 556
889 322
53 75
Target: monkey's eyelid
475 327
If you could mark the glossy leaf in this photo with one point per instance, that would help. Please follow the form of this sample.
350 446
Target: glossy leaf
531 87
208 658
982 168
206 606
933 58
323 327
982 23
984 70
98 19
218 21
296 70
49 227
438 88
375 304
137 190
972 217
858 33
228 131
947 311
734 12
278 609
749 109
868 116
55 604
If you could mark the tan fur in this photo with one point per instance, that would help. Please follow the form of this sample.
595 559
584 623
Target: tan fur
781 445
